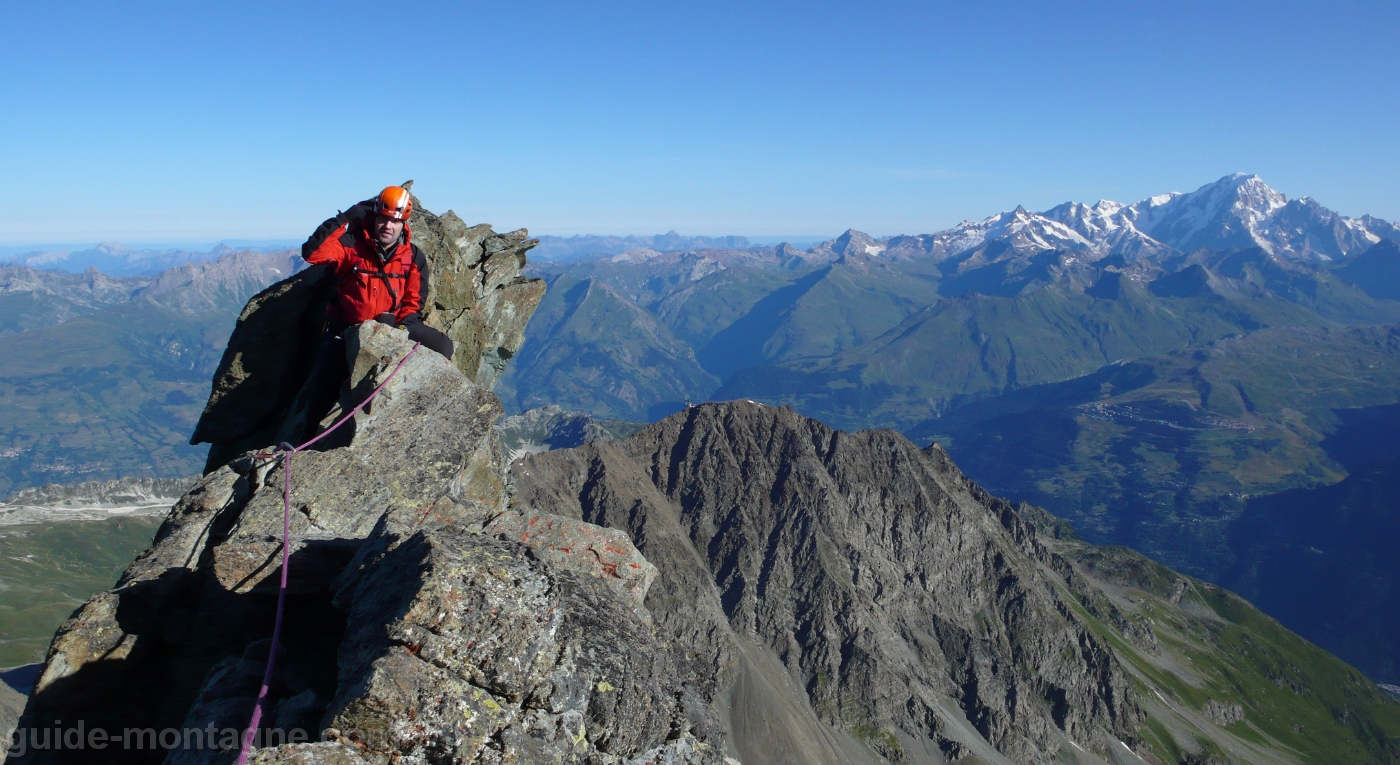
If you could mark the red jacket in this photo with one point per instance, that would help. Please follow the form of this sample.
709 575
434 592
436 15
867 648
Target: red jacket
367 286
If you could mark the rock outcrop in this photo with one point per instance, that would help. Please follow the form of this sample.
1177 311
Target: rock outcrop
425 621
478 297
550 427
845 597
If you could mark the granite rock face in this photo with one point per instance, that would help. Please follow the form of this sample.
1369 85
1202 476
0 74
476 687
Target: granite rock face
425 621
845 597
478 297
491 654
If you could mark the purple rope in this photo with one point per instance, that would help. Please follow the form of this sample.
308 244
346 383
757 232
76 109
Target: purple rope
286 451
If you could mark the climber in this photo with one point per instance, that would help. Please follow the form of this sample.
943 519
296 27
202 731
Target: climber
380 275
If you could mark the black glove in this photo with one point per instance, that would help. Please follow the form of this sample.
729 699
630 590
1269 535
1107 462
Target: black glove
386 318
410 320
360 211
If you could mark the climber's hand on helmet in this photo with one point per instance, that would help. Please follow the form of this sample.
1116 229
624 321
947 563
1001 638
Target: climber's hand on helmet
360 210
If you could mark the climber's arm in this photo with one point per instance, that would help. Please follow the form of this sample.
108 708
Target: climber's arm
414 290
332 238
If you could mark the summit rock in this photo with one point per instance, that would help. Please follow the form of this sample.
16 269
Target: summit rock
478 298
425 620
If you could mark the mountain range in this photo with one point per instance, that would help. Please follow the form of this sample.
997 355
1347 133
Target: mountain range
736 582
1237 211
103 377
1154 372
117 259
1150 372
566 249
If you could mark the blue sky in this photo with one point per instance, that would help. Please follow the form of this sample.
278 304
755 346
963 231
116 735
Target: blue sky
200 121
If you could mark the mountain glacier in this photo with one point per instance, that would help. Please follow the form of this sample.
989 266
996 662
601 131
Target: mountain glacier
1236 211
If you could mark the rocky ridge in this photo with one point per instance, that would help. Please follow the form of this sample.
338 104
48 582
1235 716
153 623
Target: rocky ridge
907 623
425 620
851 598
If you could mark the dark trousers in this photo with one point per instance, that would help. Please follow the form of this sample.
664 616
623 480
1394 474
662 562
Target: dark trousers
432 339
329 371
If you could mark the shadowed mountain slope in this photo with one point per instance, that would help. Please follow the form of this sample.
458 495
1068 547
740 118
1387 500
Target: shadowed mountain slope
1160 453
1376 271
741 317
1321 559
1257 273
963 349
840 592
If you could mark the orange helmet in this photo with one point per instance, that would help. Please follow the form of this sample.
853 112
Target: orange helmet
394 202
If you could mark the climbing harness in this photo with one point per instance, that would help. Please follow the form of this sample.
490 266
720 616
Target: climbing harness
284 452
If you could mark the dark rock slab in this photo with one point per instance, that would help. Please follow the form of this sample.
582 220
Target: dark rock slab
265 363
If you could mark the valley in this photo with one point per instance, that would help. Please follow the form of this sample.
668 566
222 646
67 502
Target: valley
103 378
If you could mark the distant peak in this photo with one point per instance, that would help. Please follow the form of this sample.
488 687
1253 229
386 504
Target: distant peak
1238 180
113 248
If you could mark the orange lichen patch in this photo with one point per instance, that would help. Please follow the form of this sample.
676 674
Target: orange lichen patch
579 546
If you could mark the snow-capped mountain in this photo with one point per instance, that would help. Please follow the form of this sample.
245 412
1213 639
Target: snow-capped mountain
1232 212
850 243
1236 211
1026 231
1108 229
